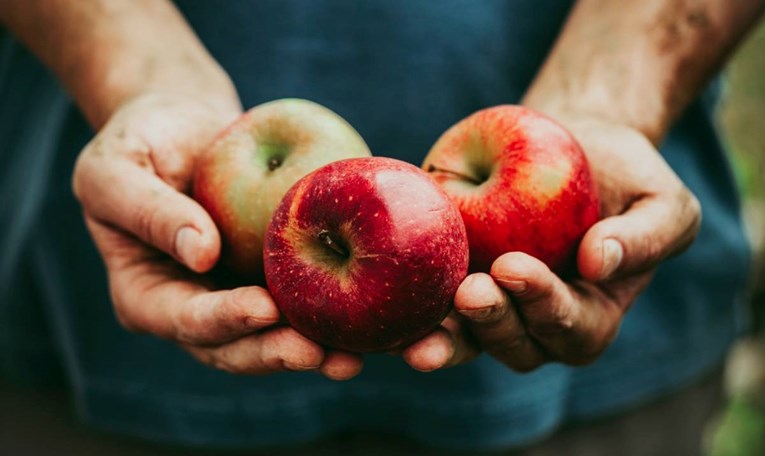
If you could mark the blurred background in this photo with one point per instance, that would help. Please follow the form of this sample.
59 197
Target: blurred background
740 427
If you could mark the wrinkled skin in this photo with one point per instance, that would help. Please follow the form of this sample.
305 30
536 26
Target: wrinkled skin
132 180
524 315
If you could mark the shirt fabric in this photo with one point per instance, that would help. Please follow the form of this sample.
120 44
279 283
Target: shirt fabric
401 72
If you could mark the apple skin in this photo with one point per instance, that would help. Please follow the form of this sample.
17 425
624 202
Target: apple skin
407 252
521 182
243 175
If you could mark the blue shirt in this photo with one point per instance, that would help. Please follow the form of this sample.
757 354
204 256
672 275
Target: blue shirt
401 72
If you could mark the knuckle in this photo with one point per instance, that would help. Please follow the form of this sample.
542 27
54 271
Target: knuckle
693 211
76 183
271 362
689 202
278 346
648 249
203 356
556 322
85 166
232 313
194 323
231 368
80 177
686 206
144 221
187 327
547 329
233 306
561 319
653 251
218 361
139 153
124 317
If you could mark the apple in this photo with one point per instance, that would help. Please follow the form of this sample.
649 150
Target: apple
243 175
521 182
365 254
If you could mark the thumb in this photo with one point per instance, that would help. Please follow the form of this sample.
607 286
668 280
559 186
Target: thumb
121 194
651 230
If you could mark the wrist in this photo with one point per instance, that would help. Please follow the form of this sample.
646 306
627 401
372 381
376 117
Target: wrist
107 85
649 114
108 52
638 63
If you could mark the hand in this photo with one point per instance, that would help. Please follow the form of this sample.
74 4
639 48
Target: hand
132 180
524 315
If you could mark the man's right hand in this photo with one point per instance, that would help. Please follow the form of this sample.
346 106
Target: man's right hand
156 241
155 108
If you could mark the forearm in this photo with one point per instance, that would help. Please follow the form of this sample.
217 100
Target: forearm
107 52
639 62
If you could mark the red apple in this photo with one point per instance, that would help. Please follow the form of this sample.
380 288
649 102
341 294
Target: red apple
244 174
521 182
365 254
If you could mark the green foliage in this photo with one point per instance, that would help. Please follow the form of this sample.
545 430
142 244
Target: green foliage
743 111
741 431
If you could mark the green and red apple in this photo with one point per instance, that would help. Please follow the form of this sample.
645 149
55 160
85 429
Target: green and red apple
247 170
365 254
521 182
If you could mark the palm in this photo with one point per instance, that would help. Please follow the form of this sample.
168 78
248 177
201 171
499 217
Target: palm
132 180
648 215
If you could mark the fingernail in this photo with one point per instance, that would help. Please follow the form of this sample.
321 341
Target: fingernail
478 314
186 244
298 367
258 322
612 257
514 286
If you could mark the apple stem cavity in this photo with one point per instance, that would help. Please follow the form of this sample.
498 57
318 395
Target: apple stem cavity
333 244
274 162
274 153
433 168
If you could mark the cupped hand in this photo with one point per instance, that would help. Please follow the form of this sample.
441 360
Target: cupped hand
524 315
132 180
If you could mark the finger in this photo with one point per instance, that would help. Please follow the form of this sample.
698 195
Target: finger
573 325
651 230
157 296
495 324
431 352
543 300
275 350
447 346
341 366
120 193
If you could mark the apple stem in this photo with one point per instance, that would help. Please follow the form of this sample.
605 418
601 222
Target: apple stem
326 238
434 168
274 163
